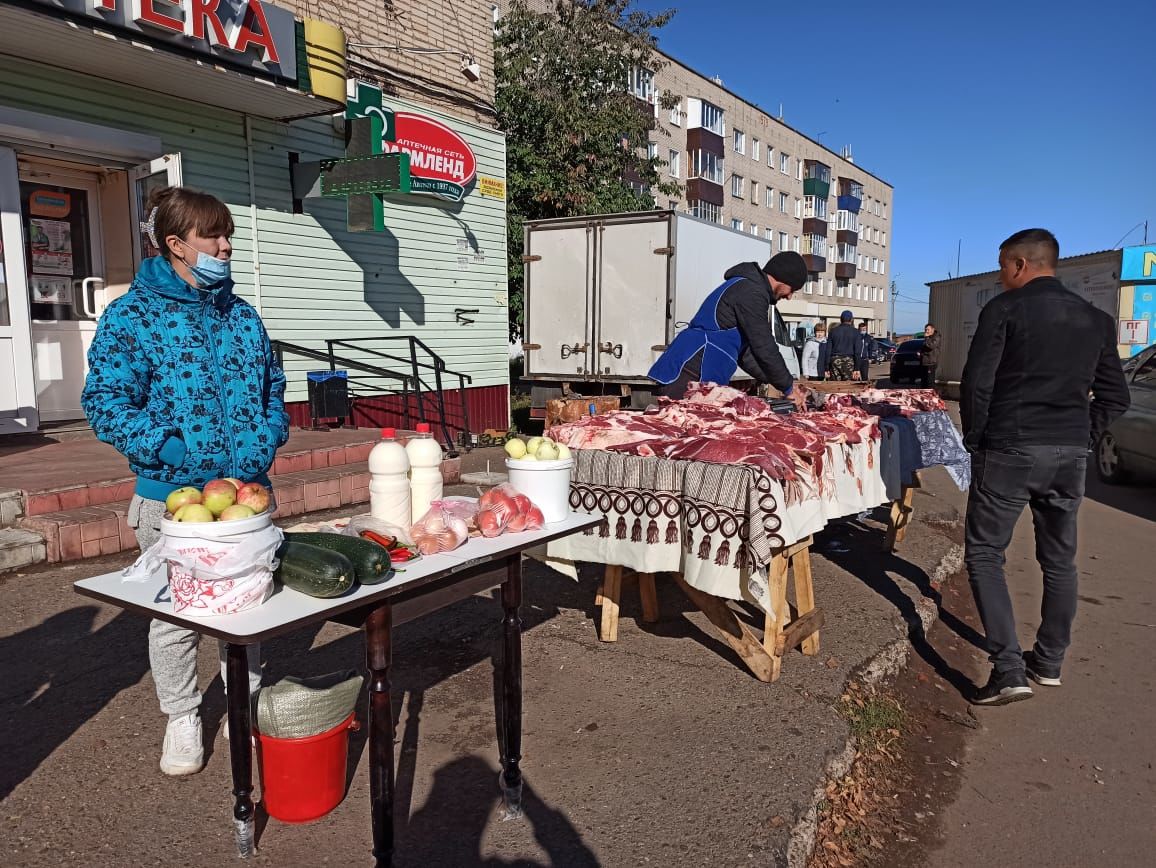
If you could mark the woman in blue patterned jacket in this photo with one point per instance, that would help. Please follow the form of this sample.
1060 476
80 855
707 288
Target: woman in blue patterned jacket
183 382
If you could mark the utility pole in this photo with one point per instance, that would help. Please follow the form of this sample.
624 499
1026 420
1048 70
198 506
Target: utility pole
891 321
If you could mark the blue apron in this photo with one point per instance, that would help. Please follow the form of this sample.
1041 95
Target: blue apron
719 347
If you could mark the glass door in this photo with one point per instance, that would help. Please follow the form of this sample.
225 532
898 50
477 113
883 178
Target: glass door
64 261
17 382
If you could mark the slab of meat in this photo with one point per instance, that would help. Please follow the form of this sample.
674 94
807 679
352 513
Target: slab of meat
603 432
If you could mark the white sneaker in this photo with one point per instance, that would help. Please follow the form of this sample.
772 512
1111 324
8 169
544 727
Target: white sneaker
184 750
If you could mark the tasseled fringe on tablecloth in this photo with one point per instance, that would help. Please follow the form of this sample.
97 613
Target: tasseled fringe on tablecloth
671 533
724 553
652 532
636 531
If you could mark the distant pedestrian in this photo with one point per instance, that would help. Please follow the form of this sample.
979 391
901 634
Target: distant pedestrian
929 358
844 349
866 352
815 359
1038 351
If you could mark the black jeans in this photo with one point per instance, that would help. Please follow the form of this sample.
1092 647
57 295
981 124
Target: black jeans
1051 480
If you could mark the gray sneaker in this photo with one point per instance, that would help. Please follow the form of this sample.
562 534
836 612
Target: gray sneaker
1002 689
1041 672
184 749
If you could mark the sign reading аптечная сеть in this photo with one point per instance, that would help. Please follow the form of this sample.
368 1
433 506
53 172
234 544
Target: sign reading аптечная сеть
440 162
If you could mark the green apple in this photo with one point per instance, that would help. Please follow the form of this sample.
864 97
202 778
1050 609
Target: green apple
193 513
533 443
236 512
515 448
564 451
180 497
218 496
547 451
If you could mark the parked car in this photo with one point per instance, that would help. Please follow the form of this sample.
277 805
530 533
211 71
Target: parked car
907 362
884 350
1128 448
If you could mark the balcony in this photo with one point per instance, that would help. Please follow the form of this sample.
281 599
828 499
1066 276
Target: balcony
815 226
702 190
847 236
844 270
815 264
849 203
816 187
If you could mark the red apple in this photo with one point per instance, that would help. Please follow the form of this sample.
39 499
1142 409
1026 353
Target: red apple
236 482
218 496
180 497
254 496
236 512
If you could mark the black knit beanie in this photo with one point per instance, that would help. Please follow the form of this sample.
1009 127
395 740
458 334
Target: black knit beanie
787 267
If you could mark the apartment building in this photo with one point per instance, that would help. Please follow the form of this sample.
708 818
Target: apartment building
744 168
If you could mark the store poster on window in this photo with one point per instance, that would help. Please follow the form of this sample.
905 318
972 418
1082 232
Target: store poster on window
51 244
48 290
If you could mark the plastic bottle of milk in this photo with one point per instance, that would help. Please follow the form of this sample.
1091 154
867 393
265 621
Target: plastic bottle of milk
425 471
389 480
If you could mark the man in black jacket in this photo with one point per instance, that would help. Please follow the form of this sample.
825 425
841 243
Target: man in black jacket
866 351
732 328
844 349
1038 351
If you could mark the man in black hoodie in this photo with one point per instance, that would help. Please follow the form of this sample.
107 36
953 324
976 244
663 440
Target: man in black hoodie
1038 352
732 328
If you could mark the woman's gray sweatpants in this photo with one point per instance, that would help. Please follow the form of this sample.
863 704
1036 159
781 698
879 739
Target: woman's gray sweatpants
173 649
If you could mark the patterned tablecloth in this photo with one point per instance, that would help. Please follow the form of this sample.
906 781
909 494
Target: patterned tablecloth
717 524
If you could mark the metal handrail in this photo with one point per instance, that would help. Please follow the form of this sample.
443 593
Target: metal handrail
414 378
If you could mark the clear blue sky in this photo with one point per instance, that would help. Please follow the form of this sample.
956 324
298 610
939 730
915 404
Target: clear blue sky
986 117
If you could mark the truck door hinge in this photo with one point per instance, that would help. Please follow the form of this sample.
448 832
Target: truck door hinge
664 251
529 257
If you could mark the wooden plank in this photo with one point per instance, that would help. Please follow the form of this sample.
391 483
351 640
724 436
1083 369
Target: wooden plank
740 638
649 595
776 619
801 631
900 517
805 598
611 592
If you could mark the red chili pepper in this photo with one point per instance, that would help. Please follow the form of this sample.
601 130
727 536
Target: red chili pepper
401 555
387 542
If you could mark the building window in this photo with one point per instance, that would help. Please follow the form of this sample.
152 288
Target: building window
769 197
784 203
784 243
676 114
769 233
705 211
884 239
795 243
652 150
860 260
736 224
674 163
642 84
754 229
737 186
740 141
785 163
705 165
807 286
712 118
755 149
770 157
882 266
844 252
848 220
815 206
798 209
672 205
755 193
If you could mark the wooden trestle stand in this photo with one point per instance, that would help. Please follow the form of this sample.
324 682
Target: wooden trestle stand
763 657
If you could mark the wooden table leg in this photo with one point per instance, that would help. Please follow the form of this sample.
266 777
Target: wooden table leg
240 746
611 595
901 511
649 595
779 613
805 596
511 717
378 658
737 634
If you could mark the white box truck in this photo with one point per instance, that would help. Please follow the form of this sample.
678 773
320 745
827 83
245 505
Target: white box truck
605 295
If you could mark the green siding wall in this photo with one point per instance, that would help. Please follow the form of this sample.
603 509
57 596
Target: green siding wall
317 280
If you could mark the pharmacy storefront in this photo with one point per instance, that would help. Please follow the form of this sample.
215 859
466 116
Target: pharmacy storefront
103 100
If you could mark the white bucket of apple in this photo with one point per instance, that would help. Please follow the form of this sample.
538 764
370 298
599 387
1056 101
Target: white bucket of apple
220 546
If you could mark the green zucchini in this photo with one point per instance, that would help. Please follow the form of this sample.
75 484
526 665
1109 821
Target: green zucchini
314 571
371 562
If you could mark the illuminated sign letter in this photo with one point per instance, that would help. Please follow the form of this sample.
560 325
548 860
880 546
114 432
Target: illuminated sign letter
260 37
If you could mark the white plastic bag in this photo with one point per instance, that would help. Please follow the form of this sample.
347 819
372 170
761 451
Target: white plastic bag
367 522
216 574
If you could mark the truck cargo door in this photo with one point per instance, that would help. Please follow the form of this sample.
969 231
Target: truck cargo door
559 290
630 311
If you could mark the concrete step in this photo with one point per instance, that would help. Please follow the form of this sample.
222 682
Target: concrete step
11 507
98 529
20 548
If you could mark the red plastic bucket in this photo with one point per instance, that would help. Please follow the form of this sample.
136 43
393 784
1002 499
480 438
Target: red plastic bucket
304 778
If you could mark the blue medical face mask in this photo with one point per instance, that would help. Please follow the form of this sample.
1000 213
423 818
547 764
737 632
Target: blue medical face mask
208 270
